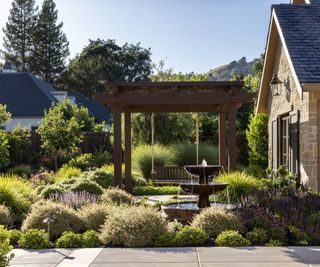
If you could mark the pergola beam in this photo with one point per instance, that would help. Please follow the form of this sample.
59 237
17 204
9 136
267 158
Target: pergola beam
183 98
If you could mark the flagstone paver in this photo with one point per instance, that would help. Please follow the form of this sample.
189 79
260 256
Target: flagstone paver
170 257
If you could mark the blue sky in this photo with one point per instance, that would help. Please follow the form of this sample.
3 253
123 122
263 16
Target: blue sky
192 35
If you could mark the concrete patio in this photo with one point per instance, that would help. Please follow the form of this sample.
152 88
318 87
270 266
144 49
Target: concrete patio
170 257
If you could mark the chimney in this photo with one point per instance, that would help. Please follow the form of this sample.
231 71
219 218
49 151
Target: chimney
9 66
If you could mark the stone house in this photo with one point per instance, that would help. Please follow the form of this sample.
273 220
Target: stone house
290 89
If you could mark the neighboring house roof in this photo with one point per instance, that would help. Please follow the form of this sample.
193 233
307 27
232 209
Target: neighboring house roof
96 110
24 94
297 26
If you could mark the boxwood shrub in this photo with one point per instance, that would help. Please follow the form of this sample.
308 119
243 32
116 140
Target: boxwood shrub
34 239
214 220
231 238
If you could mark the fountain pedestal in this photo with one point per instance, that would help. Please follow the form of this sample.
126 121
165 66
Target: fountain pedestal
204 188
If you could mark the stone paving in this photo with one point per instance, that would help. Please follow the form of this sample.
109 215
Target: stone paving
170 257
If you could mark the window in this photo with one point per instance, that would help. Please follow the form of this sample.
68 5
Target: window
285 141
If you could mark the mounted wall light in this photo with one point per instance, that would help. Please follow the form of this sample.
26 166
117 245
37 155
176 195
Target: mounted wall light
275 85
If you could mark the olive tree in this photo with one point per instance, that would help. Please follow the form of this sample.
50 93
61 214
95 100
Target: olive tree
62 127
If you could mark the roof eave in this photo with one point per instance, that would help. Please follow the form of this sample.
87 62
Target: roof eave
309 87
274 34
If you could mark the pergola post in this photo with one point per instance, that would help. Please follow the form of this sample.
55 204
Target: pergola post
127 156
117 147
222 140
232 137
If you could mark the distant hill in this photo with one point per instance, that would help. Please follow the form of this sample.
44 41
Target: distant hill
225 72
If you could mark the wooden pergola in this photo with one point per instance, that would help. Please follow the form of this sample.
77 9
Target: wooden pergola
225 98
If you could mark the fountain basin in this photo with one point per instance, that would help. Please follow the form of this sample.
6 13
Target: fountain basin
203 171
185 211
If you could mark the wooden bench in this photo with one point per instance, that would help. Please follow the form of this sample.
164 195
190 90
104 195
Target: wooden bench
171 175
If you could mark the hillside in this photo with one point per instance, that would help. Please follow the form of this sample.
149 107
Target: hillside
225 72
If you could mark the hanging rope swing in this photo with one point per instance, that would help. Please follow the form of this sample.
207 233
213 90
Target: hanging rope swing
197 142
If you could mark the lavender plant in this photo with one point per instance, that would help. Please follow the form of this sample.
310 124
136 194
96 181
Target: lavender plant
74 200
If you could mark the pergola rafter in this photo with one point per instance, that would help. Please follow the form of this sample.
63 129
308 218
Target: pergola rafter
224 98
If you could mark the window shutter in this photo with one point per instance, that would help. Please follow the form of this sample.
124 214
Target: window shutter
275 145
294 142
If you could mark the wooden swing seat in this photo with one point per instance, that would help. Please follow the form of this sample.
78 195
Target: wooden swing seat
171 175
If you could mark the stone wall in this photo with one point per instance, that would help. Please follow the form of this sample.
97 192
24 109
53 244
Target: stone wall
290 100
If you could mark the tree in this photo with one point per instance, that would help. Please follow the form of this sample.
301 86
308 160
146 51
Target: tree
19 30
169 127
5 116
257 135
102 61
51 47
61 129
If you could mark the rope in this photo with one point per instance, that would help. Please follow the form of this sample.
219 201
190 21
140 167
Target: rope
197 138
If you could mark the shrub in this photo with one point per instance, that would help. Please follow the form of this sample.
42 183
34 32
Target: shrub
66 172
100 159
69 240
156 190
258 236
117 196
5 247
94 215
16 194
185 153
23 171
315 220
274 243
85 185
35 239
83 162
19 145
240 185
231 238
132 227
190 236
4 150
74 200
65 218
15 236
90 239
51 190
214 221
101 177
257 136
136 175
5 216
296 236
142 158
42 177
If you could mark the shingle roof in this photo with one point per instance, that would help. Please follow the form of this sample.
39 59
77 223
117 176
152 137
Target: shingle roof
300 25
315 2
96 110
24 94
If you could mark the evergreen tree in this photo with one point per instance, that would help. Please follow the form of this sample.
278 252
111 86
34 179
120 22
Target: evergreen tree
52 46
18 31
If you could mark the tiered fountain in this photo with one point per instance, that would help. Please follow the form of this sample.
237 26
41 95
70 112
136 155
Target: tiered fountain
184 211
